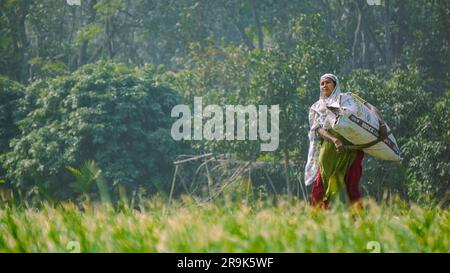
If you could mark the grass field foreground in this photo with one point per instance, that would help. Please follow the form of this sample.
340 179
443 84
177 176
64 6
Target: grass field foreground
185 226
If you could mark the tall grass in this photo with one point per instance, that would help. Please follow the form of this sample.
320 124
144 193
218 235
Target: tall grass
259 226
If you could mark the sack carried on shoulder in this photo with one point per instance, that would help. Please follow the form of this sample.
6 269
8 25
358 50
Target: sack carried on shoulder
356 123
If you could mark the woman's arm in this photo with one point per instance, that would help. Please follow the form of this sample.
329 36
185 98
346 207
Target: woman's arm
383 129
337 142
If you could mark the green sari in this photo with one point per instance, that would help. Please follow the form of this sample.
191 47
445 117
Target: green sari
334 165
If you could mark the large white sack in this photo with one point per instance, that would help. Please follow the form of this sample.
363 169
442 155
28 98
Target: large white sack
356 123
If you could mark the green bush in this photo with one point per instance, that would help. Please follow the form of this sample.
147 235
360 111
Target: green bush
10 94
105 112
429 154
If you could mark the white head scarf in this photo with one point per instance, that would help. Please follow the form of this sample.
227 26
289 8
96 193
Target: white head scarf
320 117
331 101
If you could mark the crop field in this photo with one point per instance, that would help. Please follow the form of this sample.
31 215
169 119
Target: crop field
225 226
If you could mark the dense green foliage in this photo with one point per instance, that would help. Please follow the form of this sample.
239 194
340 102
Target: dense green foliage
10 93
429 162
105 112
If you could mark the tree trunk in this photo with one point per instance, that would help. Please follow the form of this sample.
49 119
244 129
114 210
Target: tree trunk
258 25
286 35
237 23
109 37
286 170
399 35
84 44
24 43
201 15
355 38
97 52
364 50
372 36
387 34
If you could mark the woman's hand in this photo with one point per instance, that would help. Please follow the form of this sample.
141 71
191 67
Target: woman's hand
340 147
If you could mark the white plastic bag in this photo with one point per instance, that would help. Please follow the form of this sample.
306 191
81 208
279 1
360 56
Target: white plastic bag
356 123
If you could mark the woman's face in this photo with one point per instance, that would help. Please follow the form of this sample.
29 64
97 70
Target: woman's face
327 86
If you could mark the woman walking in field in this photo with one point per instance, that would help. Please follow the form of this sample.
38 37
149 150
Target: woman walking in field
331 166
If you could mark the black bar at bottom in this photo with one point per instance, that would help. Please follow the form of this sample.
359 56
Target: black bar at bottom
221 262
